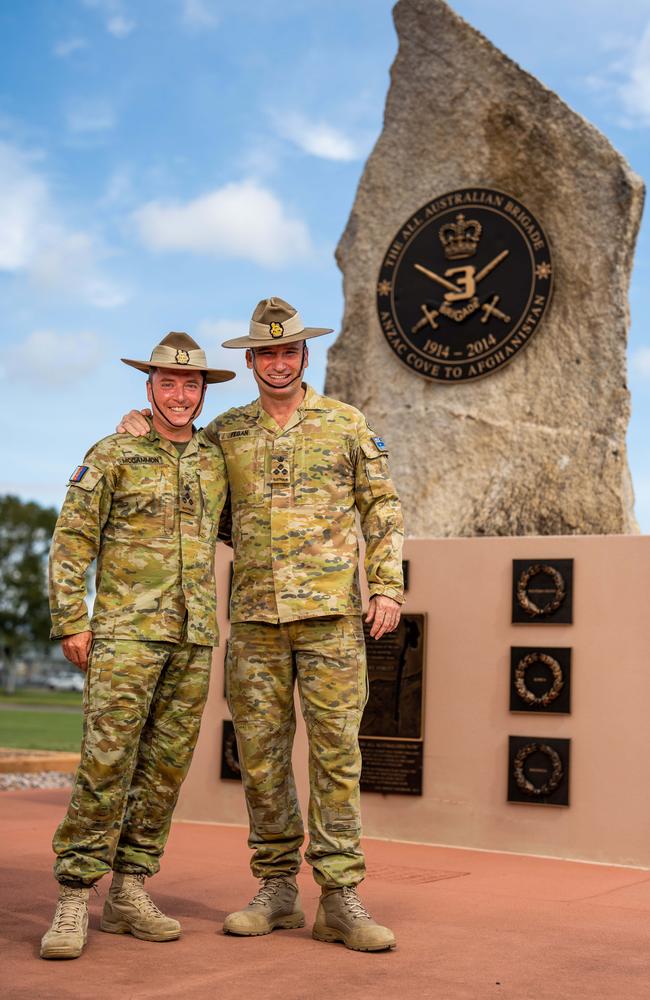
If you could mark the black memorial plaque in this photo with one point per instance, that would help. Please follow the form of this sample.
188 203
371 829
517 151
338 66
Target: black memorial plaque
542 591
230 769
540 679
538 770
464 284
391 766
391 736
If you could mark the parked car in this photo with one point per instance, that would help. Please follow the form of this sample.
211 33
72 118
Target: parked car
65 682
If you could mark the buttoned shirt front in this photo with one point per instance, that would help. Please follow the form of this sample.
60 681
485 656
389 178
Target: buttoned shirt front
150 518
295 492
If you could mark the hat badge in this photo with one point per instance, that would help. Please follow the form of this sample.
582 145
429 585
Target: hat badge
276 330
182 357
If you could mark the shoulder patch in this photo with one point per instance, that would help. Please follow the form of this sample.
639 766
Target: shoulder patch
85 477
380 443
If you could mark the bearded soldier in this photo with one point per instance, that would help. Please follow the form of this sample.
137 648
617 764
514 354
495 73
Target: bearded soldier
300 467
147 509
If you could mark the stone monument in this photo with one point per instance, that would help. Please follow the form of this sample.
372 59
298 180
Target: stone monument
486 265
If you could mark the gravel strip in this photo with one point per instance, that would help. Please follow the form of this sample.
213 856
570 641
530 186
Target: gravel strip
14 781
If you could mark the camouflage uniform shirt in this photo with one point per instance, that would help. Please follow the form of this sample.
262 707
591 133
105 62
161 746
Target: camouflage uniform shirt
150 517
295 491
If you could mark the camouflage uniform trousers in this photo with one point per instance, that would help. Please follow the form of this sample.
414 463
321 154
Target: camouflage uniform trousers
142 712
327 656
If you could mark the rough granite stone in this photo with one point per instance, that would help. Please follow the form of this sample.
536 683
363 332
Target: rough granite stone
539 446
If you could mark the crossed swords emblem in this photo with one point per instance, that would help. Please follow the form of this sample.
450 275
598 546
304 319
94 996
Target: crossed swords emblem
469 280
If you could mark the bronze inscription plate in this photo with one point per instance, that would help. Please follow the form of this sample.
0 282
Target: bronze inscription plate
391 736
464 285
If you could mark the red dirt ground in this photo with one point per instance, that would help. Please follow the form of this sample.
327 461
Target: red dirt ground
469 926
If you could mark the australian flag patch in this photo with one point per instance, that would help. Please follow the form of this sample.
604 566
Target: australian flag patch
380 443
78 474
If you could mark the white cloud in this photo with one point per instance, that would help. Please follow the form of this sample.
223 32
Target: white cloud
624 81
640 362
37 242
90 115
119 187
119 26
67 46
116 21
24 208
69 265
241 219
317 138
199 13
46 356
634 92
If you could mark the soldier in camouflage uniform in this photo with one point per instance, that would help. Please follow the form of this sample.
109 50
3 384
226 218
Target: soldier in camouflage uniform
300 467
147 509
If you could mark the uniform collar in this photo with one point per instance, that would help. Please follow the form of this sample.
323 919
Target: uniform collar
311 401
169 447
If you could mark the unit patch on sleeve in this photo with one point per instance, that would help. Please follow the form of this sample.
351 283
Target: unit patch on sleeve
78 474
380 443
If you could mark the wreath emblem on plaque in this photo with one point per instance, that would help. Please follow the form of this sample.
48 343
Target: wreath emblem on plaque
525 693
523 598
524 783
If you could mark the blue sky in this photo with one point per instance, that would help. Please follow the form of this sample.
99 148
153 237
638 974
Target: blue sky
166 163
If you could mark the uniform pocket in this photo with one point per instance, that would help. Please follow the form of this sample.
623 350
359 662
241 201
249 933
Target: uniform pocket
142 507
376 466
245 463
324 475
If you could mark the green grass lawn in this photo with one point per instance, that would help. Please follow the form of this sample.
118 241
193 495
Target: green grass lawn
40 730
26 696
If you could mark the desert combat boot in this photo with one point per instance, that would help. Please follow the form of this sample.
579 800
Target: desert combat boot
130 910
69 931
342 917
276 904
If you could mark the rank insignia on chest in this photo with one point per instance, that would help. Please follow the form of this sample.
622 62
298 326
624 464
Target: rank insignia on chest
78 474
381 444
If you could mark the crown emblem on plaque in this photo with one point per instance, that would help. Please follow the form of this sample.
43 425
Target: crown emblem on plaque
182 357
276 330
460 238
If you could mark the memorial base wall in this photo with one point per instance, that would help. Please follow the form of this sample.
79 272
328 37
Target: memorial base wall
464 586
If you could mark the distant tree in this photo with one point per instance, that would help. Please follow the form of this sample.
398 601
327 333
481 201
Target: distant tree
25 533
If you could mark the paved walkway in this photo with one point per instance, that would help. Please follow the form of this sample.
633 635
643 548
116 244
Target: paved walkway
470 926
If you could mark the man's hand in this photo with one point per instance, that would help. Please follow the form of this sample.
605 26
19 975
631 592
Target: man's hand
134 423
76 648
384 613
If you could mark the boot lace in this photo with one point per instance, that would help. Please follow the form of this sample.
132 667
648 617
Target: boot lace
68 911
270 888
136 891
353 903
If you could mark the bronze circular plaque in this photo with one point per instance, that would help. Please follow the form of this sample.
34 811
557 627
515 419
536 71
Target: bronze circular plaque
464 285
